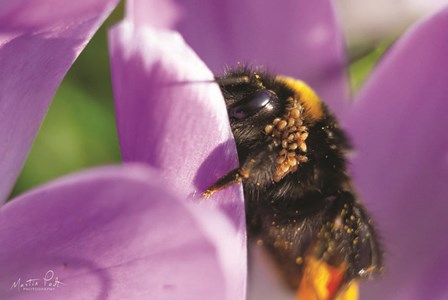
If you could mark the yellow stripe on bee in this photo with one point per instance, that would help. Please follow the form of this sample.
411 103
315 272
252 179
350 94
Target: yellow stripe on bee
306 96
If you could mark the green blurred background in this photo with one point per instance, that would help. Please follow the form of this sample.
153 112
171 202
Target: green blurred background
80 131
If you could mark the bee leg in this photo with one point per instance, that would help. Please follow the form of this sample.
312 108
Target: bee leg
233 177
252 170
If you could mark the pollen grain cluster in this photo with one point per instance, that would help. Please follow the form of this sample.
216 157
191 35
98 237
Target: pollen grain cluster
289 134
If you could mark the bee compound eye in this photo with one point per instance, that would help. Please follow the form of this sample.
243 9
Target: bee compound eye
251 104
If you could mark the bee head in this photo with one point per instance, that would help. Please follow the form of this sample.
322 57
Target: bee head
253 100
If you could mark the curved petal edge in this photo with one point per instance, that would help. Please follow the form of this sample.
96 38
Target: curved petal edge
37 47
116 232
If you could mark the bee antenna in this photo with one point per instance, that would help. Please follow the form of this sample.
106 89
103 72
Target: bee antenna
232 80
219 80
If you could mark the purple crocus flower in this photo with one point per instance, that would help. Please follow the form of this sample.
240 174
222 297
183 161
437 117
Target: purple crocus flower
120 233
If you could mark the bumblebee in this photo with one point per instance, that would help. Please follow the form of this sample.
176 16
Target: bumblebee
300 202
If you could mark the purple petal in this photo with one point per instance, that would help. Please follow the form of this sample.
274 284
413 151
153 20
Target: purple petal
298 38
38 43
27 17
170 115
160 14
117 233
401 167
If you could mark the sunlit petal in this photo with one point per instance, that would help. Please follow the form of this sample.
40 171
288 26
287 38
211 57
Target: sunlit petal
171 115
